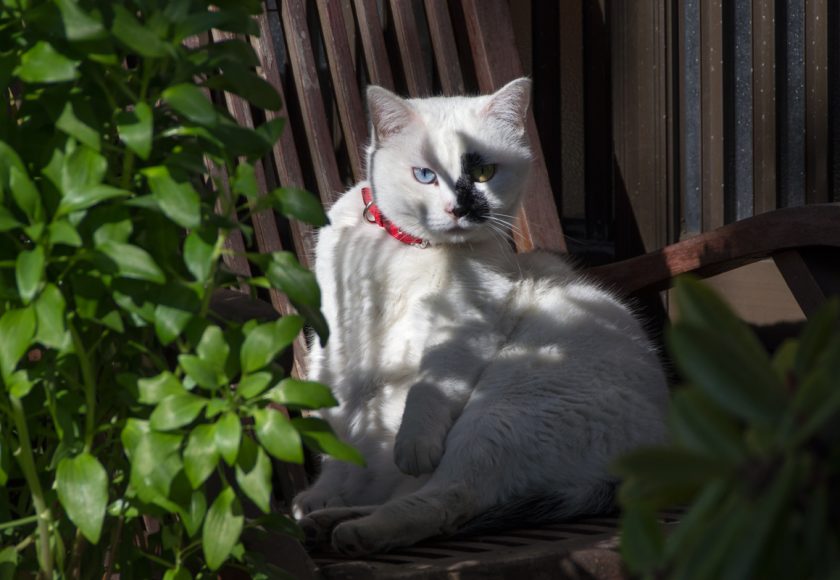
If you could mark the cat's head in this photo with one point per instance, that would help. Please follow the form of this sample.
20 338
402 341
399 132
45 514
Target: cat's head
449 169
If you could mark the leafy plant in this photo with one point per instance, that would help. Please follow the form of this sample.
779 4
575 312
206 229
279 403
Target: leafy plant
117 387
755 455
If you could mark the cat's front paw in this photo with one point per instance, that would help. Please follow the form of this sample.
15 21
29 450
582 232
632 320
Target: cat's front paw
418 453
311 500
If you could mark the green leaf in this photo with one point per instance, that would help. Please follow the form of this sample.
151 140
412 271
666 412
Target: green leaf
82 172
7 220
199 248
202 372
318 435
5 461
70 122
699 306
136 129
299 394
671 466
720 366
139 38
277 435
228 436
29 271
642 540
82 486
704 427
213 348
43 64
176 411
17 327
18 384
84 198
266 341
177 573
155 462
176 306
253 473
63 232
26 195
132 262
222 528
79 25
241 81
201 455
49 310
245 181
191 102
194 516
300 285
816 335
300 204
154 389
178 200
252 385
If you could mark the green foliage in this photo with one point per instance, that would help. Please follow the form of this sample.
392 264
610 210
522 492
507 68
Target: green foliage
118 392
754 457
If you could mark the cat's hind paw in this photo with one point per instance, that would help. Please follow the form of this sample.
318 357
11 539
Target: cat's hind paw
354 539
419 454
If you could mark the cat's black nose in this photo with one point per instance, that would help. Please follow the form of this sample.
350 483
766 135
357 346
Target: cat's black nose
460 211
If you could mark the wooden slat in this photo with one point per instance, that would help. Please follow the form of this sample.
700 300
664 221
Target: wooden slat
286 161
265 225
443 43
496 61
640 127
811 274
319 137
569 40
234 259
727 247
711 58
816 101
790 38
739 192
413 64
350 109
373 43
764 105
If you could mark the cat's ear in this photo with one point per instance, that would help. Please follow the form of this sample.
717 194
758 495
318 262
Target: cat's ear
389 114
510 103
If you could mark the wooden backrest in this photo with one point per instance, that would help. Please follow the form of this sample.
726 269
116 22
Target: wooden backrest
320 55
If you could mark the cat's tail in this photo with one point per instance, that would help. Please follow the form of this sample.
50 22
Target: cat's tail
541 510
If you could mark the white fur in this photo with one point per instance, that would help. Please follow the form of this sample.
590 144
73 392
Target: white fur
467 375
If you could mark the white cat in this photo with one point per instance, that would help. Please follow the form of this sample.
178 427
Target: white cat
479 384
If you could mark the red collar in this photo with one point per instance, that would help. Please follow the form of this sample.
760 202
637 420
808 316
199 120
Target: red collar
373 215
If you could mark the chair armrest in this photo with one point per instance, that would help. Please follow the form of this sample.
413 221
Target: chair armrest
726 248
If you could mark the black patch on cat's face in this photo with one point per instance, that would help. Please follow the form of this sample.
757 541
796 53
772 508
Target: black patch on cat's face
470 202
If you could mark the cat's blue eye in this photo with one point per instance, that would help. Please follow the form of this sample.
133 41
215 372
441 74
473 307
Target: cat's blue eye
424 175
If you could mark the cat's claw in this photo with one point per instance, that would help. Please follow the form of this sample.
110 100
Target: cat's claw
417 455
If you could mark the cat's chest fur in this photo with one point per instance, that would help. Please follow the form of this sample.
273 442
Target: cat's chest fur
389 303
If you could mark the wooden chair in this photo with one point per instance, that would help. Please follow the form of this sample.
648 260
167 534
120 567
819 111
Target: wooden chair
319 55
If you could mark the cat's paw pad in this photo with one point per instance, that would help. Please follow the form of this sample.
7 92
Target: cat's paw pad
418 455
354 539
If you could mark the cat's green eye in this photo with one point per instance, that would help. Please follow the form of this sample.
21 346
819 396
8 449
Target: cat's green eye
482 173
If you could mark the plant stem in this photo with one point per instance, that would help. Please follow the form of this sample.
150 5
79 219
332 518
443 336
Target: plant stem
27 466
89 386
19 522
112 549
